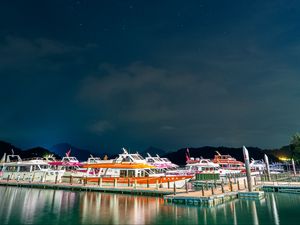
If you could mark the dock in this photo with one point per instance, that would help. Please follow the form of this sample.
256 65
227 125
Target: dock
211 195
158 192
283 187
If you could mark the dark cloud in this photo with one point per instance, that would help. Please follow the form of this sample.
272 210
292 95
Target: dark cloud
170 74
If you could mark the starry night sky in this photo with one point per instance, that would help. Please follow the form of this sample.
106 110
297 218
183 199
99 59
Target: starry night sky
106 74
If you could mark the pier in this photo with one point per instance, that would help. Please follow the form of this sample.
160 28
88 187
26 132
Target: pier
158 192
205 193
214 193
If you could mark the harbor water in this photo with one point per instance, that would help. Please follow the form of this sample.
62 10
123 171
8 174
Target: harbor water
44 206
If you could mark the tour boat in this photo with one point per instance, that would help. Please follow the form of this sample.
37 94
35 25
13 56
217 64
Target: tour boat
130 169
276 168
35 169
204 166
70 165
257 166
229 164
162 163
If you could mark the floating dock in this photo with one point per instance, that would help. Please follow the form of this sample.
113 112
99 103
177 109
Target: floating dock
195 199
286 187
211 196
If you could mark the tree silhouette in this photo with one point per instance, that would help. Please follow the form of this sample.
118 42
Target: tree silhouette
295 146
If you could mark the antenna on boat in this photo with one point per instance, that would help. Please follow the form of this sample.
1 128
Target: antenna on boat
3 158
218 153
124 150
148 154
157 155
12 151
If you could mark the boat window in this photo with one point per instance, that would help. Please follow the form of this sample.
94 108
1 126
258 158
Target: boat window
24 169
126 159
136 157
131 173
35 167
43 166
123 173
150 160
11 169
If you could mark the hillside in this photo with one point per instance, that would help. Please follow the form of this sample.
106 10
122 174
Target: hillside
62 148
7 148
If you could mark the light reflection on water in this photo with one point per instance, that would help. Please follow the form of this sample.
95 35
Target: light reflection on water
36 206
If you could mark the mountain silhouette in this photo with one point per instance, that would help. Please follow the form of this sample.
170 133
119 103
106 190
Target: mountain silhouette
62 148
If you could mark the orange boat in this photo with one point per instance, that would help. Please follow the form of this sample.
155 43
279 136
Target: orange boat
129 169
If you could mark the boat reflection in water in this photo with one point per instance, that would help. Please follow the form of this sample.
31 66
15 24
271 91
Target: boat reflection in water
36 206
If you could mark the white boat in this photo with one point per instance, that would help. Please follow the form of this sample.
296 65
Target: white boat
70 165
276 168
132 168
162 163
257 167
205 166
35 169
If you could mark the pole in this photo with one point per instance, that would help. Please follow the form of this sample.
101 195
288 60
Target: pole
56 178
222 187
186 187
248 171
174 185
294 168
135 183
267 167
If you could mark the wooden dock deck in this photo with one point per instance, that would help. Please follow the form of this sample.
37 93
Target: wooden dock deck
209 195
213 196
93 187
286 187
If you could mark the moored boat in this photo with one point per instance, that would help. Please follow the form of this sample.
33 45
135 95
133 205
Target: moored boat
34 169
229 164
129 169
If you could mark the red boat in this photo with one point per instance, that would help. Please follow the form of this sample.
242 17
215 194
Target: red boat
227 162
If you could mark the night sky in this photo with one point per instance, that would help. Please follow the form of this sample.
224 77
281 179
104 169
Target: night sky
106 74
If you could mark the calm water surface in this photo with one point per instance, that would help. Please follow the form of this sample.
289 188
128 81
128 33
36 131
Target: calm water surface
36 206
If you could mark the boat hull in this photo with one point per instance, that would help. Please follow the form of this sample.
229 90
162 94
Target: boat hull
38 176
163 182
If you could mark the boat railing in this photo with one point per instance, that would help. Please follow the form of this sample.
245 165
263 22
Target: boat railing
33 158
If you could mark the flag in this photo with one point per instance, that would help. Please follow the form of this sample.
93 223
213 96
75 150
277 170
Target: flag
68 153
187 157
188 152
